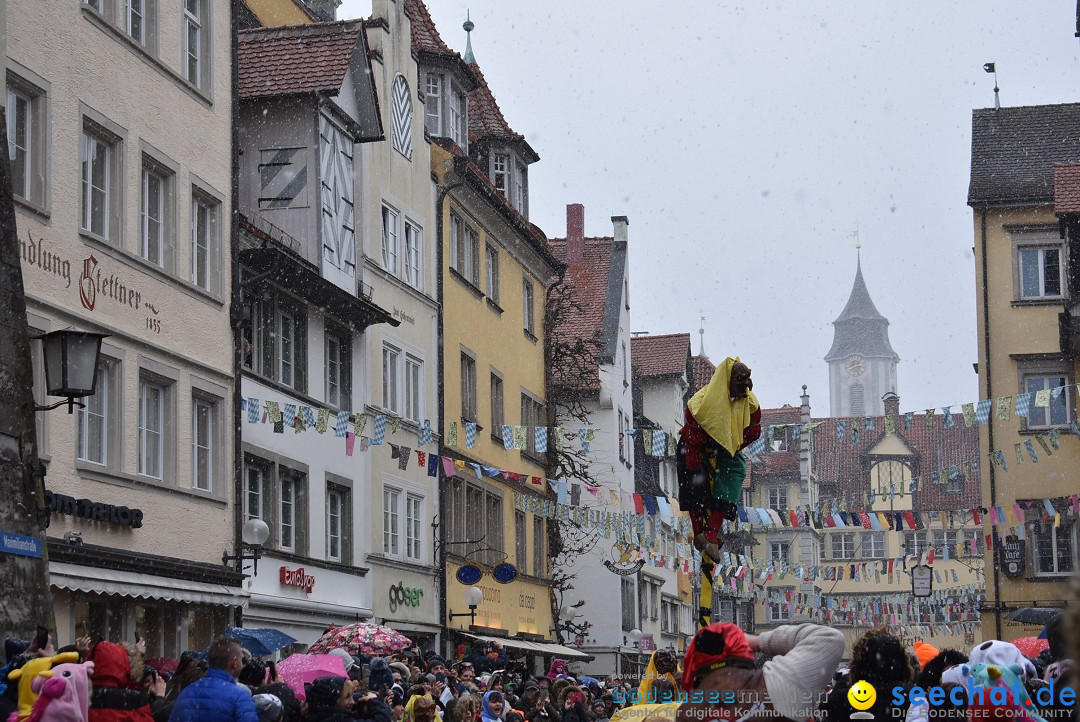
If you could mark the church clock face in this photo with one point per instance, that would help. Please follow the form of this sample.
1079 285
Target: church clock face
856 365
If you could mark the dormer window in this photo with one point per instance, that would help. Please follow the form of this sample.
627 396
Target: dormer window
445 109
510 176
458 122
501 174
521 189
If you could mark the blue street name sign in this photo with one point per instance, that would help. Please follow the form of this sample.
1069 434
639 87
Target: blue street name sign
26 546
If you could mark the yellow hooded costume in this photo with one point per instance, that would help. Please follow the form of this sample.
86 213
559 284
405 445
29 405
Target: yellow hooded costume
721 417
650 677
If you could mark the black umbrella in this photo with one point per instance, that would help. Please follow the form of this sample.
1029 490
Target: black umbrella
1034 615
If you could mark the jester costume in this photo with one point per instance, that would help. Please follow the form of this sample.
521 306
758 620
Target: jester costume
719 422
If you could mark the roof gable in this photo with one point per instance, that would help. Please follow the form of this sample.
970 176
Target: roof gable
591 283
319 58
659 356
845 464
1013 151
702 370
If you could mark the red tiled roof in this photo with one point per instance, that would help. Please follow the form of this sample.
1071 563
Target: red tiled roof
1066 188
702 370
786 460
589 284
425 36
841 463
295 59
485 116
660 355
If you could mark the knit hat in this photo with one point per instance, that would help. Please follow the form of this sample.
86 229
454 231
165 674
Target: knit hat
345 657
268 707
324 691
715 647
434 660
1003 654
924 653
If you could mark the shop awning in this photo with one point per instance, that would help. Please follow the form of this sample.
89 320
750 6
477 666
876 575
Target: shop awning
95 580
549 648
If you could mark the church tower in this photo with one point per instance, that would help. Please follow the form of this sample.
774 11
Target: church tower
862 363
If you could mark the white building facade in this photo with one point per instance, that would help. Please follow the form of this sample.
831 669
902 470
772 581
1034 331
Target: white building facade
305 316
119 125
398 260
599 270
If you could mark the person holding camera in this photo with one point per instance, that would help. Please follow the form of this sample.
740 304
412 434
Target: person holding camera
544 710
335 699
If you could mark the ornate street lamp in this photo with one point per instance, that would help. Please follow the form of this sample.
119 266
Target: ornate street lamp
252 537
473 597
71 363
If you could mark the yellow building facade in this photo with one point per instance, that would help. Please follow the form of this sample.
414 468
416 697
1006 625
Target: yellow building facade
494 277
1023 282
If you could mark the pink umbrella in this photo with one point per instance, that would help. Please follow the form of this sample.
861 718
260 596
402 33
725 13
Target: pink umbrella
301 668
1031 646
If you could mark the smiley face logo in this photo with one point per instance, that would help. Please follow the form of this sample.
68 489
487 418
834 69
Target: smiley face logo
862 695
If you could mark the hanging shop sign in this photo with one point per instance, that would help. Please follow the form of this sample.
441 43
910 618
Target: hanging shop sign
400 595
297 578
922 580
470 574
504 573
1012 556
92 510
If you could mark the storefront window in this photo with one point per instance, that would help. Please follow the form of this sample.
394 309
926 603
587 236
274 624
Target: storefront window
90 618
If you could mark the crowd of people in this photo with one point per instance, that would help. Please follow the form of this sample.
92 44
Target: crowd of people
793 672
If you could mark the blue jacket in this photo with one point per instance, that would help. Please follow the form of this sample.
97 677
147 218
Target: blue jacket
214 698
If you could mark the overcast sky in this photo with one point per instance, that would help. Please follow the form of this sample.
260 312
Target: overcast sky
744 141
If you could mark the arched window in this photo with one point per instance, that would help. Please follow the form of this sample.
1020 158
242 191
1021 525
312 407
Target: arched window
402 120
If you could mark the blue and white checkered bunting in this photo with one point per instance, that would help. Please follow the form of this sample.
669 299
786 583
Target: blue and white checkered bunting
540 439
380 430
341 426
1022 405
470 434
659 442
508 436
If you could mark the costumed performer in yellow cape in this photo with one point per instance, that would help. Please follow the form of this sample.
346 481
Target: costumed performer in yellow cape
721 419
662 668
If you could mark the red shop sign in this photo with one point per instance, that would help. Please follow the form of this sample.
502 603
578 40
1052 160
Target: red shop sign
297 578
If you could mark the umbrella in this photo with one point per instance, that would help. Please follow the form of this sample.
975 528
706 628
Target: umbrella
163 665
362 638
1030 646
1033 615
260 641
300 668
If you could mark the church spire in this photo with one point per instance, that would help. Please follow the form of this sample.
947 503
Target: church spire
468 26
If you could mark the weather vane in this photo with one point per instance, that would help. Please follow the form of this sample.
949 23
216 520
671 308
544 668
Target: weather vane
855 235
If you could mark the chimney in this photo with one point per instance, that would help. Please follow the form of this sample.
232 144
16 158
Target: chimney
575 234
892 404
621 224
325 9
